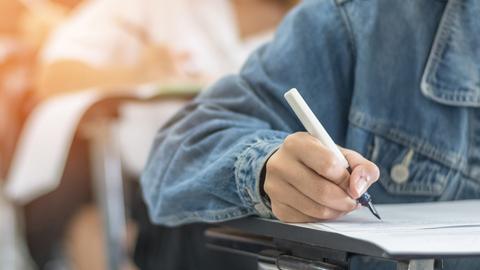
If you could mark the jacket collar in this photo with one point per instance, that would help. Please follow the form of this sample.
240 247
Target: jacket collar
452 73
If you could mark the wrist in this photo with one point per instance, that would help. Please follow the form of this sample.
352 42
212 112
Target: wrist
263 195
248 170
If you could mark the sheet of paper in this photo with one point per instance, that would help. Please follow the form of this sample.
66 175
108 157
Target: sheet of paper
400 217
421 228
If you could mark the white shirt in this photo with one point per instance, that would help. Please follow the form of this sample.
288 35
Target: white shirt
113 32
110 32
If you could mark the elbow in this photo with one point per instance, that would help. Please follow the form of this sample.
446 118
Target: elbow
158 199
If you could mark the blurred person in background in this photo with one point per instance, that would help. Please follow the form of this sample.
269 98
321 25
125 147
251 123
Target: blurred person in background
111 43
108 43
397 81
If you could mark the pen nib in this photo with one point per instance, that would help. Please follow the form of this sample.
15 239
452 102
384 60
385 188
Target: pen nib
373 210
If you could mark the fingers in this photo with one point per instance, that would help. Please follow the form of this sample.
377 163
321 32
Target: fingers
364 173
313 186
288 214
310 151
289 195
306 181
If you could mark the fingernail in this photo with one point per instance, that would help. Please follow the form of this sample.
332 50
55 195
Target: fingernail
361 185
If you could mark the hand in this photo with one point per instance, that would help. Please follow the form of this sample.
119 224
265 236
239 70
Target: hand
163 64
306 182
159 62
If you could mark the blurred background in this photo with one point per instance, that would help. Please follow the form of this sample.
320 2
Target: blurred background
84 86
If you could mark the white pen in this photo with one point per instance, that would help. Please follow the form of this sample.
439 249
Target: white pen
315 128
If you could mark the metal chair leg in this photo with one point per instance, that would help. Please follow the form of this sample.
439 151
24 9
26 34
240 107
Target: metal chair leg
109 191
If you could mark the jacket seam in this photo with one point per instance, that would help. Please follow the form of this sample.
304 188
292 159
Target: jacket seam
431 86
244 162
453 98
348 27
207 216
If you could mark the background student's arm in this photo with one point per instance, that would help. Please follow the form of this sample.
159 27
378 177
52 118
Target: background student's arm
157 63
206 164
105 46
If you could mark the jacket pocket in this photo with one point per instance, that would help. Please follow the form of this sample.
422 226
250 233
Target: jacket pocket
451 76
404 171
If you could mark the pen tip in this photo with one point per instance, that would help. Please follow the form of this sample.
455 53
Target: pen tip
374 211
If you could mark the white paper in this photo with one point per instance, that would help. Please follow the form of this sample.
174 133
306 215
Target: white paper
421 228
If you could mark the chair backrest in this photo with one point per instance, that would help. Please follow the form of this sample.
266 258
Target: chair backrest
11 122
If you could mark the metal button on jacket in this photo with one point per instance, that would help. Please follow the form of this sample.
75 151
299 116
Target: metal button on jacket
400 172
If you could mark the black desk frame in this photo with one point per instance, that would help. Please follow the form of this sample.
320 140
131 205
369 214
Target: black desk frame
282 246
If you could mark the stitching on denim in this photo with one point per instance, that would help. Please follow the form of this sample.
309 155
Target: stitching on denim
444 86
209 216
431 86
457 96
241 169
418 144
448 158
244 165
422 187
425 185
437 49
348 27
445 31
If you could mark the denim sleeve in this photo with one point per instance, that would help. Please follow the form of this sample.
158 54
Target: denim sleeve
206 163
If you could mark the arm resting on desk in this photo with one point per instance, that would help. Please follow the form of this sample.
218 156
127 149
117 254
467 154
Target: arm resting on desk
205 165
157 64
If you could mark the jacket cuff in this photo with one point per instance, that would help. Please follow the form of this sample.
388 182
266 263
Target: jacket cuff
248 170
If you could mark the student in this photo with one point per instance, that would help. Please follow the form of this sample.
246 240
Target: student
397 82
110 43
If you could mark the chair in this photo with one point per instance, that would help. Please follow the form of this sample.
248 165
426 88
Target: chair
39 160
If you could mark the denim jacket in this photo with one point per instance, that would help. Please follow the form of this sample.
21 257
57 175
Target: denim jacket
396 80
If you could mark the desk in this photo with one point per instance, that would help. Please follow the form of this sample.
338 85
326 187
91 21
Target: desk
41 156
278 245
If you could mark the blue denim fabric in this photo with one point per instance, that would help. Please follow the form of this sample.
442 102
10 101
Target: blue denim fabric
385 77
